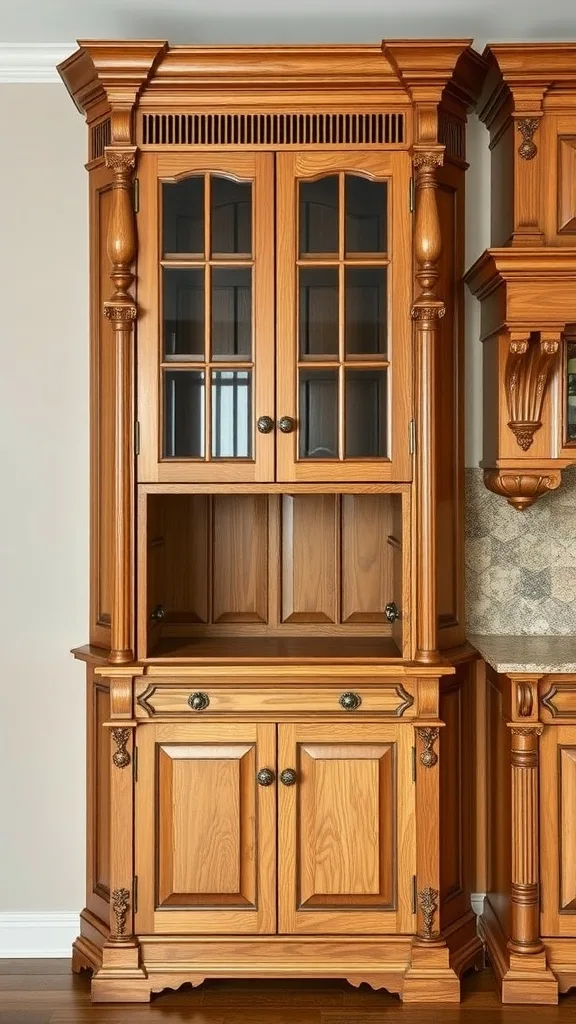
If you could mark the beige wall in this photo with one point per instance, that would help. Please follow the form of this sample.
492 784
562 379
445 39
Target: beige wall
44 502
44 511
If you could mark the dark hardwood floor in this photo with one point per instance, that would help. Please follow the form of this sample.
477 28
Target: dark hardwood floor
46 992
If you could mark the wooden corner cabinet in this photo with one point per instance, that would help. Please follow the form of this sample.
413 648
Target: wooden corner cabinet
525 281
280 700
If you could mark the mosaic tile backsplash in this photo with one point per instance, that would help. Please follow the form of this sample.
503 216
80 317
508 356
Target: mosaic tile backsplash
520 566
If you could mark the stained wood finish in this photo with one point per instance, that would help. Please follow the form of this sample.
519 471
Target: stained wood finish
205 849
346 830
266 583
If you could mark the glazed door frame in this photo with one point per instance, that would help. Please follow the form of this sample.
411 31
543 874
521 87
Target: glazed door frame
395 168
153 170
374 868
237 848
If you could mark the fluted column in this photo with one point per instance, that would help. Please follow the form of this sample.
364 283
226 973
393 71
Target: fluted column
121 311
427 312
525 883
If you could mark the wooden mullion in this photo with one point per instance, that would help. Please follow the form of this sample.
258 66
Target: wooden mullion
207 325
341 313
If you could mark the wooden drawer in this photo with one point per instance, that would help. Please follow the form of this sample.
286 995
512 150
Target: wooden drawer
174 697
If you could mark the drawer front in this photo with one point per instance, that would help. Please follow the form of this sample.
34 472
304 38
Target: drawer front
197 697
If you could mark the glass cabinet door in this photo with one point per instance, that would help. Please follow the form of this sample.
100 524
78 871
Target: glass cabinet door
206 333
344 331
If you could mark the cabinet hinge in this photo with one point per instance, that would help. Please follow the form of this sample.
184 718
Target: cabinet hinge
412 437
414 894
413 764
137 437
411 195
136 195
135 763
135 894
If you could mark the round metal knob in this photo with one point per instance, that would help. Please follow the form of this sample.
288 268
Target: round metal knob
198 701
265 777
157 613
350 701
265 424
286 424
288 777
392 612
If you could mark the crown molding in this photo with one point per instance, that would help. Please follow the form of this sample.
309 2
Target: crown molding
32 63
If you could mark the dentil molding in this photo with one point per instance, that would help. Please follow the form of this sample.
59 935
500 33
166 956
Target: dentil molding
32 63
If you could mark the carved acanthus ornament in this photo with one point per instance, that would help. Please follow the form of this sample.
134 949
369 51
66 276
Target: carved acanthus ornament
428 757
121 757
527 126
428 899
528 367
120 905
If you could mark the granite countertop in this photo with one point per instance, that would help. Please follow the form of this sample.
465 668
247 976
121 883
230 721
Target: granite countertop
527 653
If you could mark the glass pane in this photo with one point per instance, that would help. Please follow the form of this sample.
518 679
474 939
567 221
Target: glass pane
183 211
231 313
365 421
184 414
231 216
318 312
183 314
366 312
231 414
318 414
319 216
365 203
571 393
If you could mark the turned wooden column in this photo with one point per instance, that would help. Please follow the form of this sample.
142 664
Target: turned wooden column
427 312
121 311
525 883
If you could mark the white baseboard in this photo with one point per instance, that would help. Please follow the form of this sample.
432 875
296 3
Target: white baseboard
477 901
37 935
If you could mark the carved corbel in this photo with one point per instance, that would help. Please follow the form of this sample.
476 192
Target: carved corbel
528 367
521 489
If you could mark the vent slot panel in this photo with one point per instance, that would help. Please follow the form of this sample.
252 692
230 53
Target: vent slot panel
451 134
373 129
100 136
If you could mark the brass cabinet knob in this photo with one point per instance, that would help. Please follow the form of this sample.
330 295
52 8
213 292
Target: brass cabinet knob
392 612
265 424
350 701
157 613
198 701
288 777
286 424
265 777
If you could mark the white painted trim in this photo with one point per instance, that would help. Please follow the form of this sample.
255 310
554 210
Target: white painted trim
477 901
32 63
37 935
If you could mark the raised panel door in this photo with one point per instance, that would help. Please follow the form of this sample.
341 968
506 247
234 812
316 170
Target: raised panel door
345 829
206 323
206 842
344 336
557 830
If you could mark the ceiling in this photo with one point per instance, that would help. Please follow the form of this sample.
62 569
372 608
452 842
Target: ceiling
60 22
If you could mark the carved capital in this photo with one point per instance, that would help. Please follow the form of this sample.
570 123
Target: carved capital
121 757
428 312
428 737
120 901
521 489
121 313
428 900
527 126
528 369
121 161
427 161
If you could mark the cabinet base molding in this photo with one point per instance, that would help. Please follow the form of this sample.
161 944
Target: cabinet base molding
395 963
520 979
561 958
